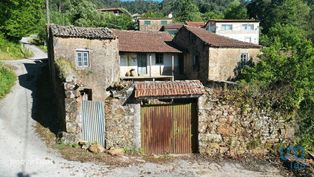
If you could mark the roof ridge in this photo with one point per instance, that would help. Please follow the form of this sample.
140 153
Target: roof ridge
248 44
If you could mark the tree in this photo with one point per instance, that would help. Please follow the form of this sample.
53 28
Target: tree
21 17
186 10
212 15
236 10
294 12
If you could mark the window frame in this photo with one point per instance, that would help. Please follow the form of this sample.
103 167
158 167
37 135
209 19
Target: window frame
162 59
147 22
244 61
246 27
223 26
163 22
82 53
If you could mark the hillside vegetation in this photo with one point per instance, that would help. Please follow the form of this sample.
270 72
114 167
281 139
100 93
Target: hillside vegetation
7 80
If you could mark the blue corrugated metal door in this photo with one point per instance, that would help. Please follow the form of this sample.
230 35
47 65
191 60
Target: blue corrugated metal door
93 124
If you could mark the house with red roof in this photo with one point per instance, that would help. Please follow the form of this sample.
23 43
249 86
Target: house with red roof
212 57
147 55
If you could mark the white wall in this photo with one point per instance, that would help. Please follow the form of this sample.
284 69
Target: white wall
237 31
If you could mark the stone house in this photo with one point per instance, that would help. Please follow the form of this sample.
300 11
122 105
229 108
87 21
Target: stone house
246 30
147 55
208 56
87 55
152 24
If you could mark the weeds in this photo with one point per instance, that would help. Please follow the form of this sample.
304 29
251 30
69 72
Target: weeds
11 50
7 80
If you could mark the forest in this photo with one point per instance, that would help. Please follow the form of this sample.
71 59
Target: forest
284 77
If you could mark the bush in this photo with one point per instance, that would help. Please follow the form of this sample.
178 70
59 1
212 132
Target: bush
10 50
7 80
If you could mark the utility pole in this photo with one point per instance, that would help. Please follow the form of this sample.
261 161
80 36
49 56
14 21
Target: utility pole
47 12
48 16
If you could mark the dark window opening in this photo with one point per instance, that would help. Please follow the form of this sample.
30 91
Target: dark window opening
196 63
87 94
159 59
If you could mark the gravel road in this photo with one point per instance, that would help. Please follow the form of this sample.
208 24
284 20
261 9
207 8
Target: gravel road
24 154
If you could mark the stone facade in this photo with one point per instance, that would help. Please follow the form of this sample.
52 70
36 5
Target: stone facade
215 63
231 128
224 63
152 24
103 67
70 81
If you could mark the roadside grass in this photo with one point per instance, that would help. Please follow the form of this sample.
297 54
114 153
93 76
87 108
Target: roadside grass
12 51
7 79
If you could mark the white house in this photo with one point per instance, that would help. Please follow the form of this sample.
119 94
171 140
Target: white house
246 30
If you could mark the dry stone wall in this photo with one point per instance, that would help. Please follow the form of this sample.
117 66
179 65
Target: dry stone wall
231 128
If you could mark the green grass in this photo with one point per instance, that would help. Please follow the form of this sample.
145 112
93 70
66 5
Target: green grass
7 80
11 50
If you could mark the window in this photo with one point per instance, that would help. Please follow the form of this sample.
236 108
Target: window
147 22
244 59
248 27
159 59
82 58
196 63
163 22
226 27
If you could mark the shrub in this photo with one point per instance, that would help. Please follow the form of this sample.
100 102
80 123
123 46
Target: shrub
7 80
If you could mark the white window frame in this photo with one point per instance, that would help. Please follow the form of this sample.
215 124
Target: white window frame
246 27
224 27
244 61
84 64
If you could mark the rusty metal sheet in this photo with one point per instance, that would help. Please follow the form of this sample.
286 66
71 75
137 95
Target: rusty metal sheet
93 124
167 128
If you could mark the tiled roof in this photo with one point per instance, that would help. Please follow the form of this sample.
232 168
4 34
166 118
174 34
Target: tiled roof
145 41
215 40
151 89
233 20
195 24
155 19
81 32
172 26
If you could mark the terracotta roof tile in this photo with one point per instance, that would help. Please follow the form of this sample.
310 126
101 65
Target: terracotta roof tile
215 40
172 26
168 89
233 20
145 41
81 32
195 24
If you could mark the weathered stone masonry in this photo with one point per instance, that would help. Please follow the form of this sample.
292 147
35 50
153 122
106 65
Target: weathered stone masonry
233 129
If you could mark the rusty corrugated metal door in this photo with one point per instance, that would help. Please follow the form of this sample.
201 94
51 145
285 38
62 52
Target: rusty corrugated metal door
93 124
167 128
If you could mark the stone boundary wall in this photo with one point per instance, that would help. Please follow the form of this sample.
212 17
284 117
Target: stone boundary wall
231 128
123 122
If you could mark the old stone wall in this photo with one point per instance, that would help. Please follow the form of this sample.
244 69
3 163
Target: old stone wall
233 128
122 120
155 24
193 46
103 69
224 63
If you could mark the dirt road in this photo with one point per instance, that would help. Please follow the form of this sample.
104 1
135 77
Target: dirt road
24 154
